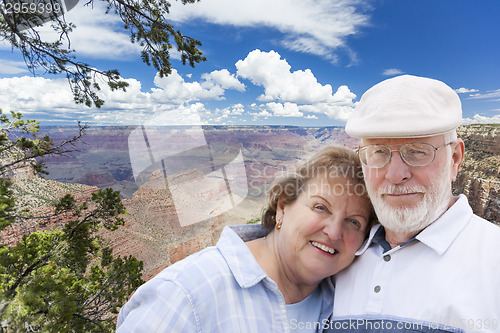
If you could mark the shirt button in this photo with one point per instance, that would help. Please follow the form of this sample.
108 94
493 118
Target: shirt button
387 257
377 289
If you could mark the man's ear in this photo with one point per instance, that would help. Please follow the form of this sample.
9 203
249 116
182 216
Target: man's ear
457 157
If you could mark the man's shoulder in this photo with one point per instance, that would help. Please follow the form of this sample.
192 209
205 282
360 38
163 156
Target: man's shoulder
481 223
484 232
482 239
462 211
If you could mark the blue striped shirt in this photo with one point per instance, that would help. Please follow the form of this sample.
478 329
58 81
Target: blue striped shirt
219 289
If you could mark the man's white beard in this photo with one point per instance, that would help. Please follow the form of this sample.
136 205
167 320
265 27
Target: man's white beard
410 220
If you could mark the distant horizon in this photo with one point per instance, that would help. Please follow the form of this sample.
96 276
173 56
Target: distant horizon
201 125
228 125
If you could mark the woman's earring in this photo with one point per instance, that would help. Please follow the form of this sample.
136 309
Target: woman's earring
278 224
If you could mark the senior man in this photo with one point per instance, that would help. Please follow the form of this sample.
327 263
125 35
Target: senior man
431 265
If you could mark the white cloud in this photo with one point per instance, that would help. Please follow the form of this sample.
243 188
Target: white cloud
237 109
234 110
312 26
29 94
284 110
490 94
338 112
52 98
97 34
465 90
268 70
310 116
300 87
264 113
174 89
478 119
12 67
392 72
287 93
224 79
343 96
131 99
191 114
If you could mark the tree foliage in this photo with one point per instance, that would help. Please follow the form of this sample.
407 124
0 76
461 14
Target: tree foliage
145 20
66 279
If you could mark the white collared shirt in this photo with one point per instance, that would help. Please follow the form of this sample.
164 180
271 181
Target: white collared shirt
446 280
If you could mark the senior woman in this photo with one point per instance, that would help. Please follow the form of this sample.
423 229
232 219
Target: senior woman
273 277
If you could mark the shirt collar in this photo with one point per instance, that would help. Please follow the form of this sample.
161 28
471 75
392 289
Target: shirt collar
439 235
238 256
369 240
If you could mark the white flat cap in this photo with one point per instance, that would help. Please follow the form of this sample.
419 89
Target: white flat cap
405 106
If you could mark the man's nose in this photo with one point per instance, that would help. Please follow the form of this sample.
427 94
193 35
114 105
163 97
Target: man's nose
397 169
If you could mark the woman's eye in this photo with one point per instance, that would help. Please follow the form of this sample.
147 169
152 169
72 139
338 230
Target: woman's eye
355 222
321 208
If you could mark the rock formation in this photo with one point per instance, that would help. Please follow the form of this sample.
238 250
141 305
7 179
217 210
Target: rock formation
37 195
479 178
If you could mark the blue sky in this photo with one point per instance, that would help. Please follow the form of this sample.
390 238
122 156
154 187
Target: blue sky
280 62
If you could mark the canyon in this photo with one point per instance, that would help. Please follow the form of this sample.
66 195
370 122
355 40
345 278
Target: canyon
173 175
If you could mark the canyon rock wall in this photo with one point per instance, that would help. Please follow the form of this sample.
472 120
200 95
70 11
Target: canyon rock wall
38 195
479 178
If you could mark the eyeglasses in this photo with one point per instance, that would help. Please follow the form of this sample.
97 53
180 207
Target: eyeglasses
414 154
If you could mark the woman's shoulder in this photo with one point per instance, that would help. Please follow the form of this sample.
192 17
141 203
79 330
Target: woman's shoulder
224 263
195 266
180 291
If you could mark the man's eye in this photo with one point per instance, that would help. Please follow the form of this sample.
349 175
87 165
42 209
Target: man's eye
418 154
416 151
376 152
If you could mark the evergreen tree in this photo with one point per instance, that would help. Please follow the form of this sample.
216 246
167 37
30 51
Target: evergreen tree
65 279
